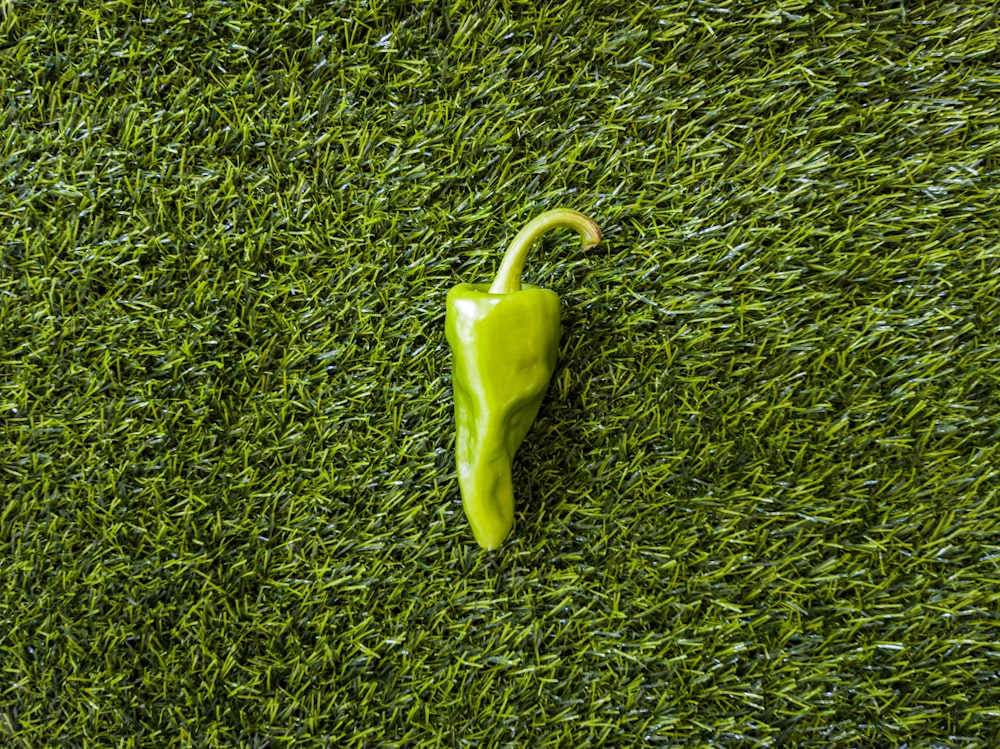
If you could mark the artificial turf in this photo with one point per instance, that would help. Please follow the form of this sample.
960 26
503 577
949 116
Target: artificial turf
760 506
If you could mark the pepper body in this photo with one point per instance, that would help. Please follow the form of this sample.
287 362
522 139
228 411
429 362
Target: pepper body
504 348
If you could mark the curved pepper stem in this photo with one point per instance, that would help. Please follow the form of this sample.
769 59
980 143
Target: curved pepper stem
508 278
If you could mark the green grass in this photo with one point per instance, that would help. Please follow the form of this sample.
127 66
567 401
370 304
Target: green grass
761 505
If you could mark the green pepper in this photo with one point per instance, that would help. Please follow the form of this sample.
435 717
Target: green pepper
504 340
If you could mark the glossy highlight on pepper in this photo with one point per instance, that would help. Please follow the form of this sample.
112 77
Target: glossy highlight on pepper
504 339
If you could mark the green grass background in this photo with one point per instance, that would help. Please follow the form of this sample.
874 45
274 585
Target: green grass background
760 505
